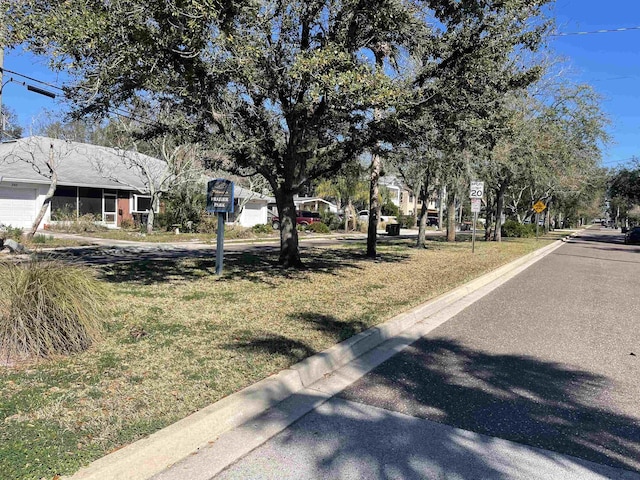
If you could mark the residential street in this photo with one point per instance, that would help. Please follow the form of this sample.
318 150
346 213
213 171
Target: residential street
536 380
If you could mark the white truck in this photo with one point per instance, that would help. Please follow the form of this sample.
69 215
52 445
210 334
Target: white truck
363 216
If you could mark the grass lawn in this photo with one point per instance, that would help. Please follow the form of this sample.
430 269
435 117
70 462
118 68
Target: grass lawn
178 338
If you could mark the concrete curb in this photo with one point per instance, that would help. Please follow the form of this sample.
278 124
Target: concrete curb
149 456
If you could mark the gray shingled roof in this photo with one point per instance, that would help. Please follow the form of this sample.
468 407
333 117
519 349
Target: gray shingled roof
78 164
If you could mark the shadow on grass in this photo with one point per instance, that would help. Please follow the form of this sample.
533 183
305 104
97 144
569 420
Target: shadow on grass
338 329
295 350
274 344
257 264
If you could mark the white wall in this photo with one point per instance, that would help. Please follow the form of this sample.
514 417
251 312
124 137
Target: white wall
254 213
21 202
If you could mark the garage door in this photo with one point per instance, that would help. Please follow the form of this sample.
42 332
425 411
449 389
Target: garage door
17 206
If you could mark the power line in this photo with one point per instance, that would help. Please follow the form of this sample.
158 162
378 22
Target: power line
31 78
116 110
591 32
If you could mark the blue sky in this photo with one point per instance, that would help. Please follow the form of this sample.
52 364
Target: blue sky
608 61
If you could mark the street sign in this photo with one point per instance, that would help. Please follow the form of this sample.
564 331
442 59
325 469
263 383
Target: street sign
476 203
538 207
220 196
476 189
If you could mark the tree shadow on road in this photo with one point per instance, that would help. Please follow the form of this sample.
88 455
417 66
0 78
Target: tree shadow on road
517 398
522 399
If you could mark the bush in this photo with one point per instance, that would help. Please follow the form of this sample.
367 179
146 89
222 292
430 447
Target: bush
11 232
318 227
42 239
207 223
236 231
262 228
332 220
390 209
185 206
127 224
85 223
406 221
511 228
48 308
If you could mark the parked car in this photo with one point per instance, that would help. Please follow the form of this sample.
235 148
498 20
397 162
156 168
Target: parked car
303 217
632 236
363 216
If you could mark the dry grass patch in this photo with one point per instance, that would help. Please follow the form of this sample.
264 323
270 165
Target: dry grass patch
178 341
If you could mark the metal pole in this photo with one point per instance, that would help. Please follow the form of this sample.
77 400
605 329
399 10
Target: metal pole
473 235
220 244
537 221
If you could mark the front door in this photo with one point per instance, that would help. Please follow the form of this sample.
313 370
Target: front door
109 212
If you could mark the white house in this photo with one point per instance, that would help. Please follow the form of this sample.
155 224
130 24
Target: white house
82 187
250 208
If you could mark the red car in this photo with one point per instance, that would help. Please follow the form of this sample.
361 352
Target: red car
303 218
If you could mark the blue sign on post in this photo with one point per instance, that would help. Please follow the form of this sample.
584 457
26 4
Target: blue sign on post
220 201
220 196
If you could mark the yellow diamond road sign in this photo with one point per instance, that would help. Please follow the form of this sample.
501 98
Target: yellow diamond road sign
539 206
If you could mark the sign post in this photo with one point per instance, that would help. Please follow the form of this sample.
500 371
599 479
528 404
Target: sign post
220 201
476 192
538 207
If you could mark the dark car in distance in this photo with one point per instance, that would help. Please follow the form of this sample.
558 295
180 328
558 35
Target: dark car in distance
632 236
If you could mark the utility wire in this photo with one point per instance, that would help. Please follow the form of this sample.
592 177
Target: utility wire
591 32
116 110
31 78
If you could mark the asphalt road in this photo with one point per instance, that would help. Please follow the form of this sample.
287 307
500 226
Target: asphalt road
545 366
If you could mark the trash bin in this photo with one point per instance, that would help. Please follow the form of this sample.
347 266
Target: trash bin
393 229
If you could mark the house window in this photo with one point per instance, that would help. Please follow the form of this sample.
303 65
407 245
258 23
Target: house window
90 201
142 203
64 204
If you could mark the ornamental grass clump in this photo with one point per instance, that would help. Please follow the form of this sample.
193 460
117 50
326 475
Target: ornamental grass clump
48 308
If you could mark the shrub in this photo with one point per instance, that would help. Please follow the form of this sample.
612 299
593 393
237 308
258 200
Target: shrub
331 220
207 223
127 224
511 228
262 228
406 221
389 209
236 231
42 239
47 307
319 227
85 223
11 232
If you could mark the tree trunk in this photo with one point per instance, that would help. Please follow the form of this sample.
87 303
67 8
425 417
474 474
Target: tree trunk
374 206
488 219
48 196
289 250
45 205
441 193
424 198
547 218
451 216
150 219
497 234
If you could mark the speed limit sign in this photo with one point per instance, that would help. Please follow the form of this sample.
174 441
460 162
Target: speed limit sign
476 190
